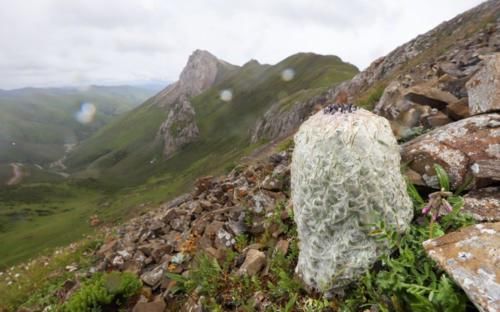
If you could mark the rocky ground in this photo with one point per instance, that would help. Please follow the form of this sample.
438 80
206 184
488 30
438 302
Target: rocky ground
246 216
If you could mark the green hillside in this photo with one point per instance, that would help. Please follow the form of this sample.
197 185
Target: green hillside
126 152
120 169
36 123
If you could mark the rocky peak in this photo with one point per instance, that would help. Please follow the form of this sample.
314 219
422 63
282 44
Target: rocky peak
199 73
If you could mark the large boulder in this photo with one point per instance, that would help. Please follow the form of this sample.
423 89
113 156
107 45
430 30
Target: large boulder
345 177
466 148
484 87
429 95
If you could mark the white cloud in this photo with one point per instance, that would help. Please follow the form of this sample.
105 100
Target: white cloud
68 42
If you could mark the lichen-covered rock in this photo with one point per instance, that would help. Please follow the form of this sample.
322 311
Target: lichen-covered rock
281 120
471 257
466 148
484 87
483 204
179 128
345 176
427 94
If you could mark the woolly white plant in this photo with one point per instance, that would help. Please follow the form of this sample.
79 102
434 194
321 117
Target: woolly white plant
345 177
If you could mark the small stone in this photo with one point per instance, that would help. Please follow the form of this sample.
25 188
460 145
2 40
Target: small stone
156 226
170 215
118 261
436 120
254 262
205 204
156 306
240 192
272 184
282 246
153 277
107 249
483 204
213 228
224 239
216 253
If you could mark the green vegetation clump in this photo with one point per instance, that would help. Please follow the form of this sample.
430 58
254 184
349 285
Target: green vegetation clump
407 277
371 96
34 284
285 145
104 289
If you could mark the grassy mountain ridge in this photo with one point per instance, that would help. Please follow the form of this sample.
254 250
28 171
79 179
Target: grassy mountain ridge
120 170
128 149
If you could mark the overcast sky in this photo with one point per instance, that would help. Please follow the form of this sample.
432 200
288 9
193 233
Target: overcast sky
78 42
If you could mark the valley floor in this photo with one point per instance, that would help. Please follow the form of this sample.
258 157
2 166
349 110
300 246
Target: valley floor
17 174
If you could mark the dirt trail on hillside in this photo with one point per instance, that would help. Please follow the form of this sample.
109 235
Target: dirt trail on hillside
17 174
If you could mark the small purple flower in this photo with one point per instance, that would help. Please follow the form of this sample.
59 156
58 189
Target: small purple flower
426 209
446 205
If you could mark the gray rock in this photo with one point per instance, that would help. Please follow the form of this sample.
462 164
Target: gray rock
254 262
469 147
180 127
483 204
484 87
153 277
158 305
470 256
271 183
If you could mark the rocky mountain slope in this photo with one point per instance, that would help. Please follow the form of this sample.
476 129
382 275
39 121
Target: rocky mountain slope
230 243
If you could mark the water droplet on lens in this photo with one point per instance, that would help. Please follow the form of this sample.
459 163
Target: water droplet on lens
226 95
86 113
287 74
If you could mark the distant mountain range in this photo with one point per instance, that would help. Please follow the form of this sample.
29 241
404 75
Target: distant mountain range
206 119
36 123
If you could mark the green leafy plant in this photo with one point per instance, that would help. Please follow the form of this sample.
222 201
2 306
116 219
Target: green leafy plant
205 276
406 279
283 284
444 204
102 290
241 241
315 305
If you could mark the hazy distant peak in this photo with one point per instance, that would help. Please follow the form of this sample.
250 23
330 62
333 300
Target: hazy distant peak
200 72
